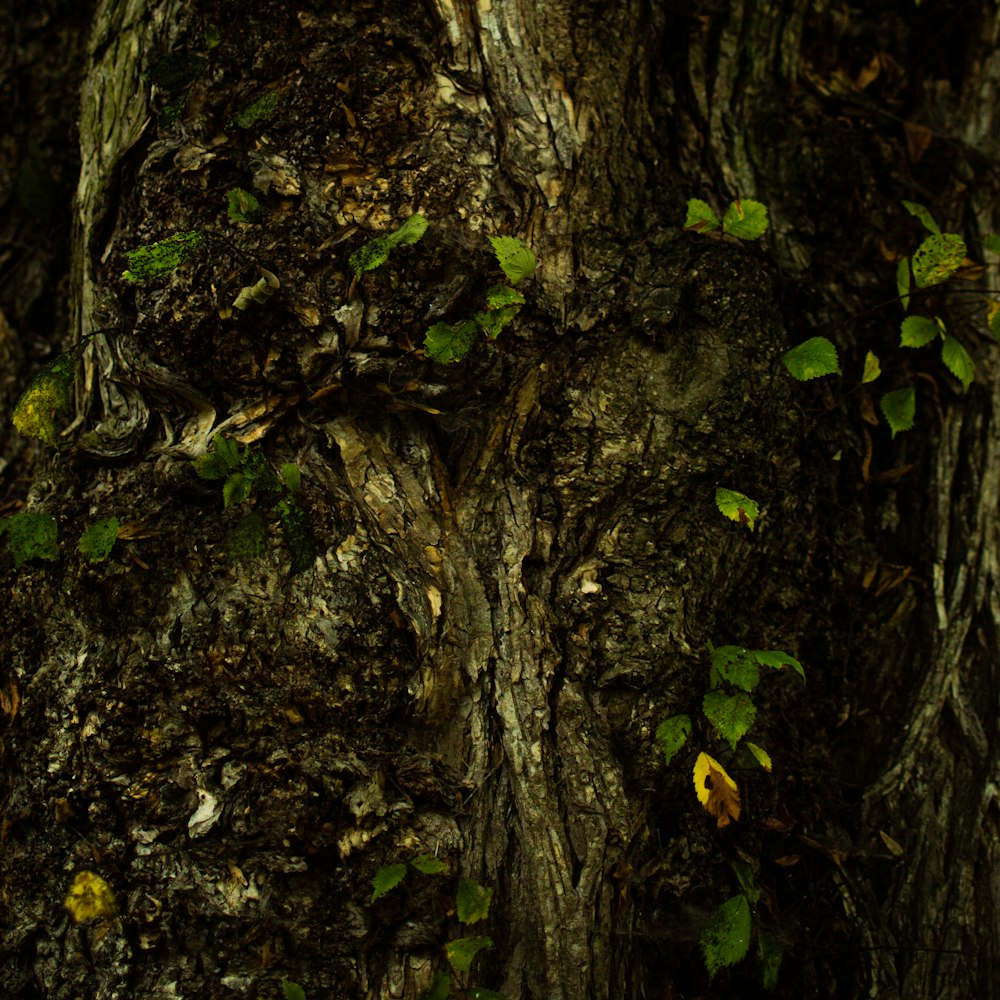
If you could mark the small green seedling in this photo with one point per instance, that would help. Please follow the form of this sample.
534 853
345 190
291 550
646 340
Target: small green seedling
446 342
472 904
726 940
745 219
376 251
245 474
243 206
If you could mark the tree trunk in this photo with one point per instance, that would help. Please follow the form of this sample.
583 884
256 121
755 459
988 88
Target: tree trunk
508 570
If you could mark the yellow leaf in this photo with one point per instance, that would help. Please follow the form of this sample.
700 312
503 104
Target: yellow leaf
894 847
89 897
760 755
716 791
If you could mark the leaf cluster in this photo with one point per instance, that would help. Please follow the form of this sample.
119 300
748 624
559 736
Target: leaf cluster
726 940
446 342
245 474
747 220
937 259
472 904
733 674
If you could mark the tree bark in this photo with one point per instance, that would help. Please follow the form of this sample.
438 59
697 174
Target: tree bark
519 564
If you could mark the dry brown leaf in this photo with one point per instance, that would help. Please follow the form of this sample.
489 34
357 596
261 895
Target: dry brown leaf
918 139
788 860
716 791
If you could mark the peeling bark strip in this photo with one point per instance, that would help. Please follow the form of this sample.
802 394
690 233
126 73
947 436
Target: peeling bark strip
521 563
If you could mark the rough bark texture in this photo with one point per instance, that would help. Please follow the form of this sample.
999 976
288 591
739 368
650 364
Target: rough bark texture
518 561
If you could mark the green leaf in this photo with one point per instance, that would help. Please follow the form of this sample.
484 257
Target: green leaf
937 258
491 323
760 755
99 538
260 111
213 37
737 507
903 281
32 536
409 232
439 989
744 875
259 471
502 296
220 461
243 206
778 660
387 878
155 259
236 489
427 864
873 368
373 254
298 534
472 901
957 360
515 259
918 331
700 216
376 251
812 358
292 991
48 393
745 219
291 476
769 955
923 215
478 993
248 540
899 408
726 939
672 734
446 343
992 242
462 951
737 666
731 715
